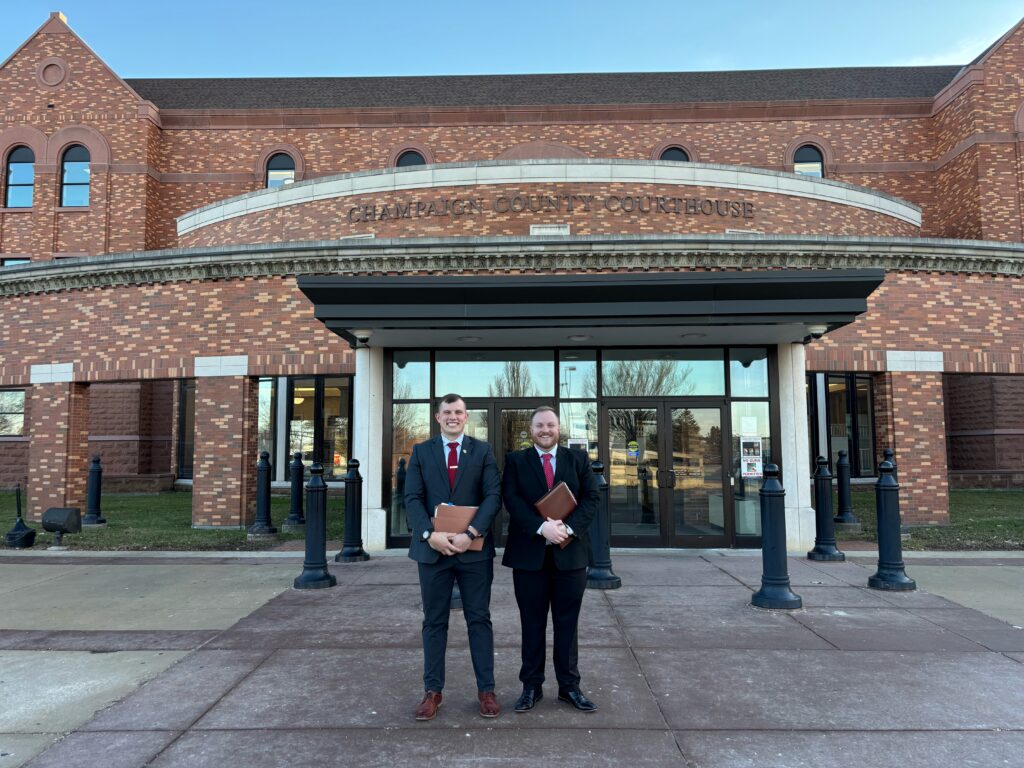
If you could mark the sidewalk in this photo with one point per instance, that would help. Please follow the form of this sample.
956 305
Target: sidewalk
243 670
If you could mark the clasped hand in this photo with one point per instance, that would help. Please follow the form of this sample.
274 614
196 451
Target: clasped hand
449 543
554 531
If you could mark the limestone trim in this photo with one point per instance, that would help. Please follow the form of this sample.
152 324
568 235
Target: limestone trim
529 172
480 255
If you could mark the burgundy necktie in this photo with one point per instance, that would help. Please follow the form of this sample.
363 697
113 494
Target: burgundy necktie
453 463
549 473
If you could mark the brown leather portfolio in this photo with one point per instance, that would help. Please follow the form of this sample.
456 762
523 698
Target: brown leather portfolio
449 518
558 504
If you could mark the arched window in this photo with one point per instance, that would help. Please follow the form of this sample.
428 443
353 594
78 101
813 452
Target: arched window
20 179
74 177
280 170
808 161
675 154
409 158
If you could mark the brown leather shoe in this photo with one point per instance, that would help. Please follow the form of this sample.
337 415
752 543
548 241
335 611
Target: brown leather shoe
428 707
489 704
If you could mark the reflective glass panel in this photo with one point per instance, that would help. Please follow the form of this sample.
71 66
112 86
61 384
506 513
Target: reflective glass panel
577 374
21 173
410 424
865 426
12 412
265 417
675 154
411 376
663 372
839 419
698 504
279 178
500 373
751 450
301 424
335 428
187 429
410 158
578 424
76 173
633 471
19 197
748 372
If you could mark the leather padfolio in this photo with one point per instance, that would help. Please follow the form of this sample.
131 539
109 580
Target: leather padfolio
449 518
558 504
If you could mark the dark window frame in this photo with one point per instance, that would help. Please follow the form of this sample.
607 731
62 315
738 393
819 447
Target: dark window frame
674 148
270 166
66 186
820 161
410 153
8 186
21 413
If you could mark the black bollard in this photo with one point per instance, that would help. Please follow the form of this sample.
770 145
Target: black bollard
352 545
891 574
400 488
600 574
20 536
890 455
94 491
845 520
262 528
295 520
775 591
824 527
314 568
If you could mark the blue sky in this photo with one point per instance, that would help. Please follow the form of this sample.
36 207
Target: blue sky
188 38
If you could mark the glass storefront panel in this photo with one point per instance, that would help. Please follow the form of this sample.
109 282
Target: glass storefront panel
502 373
748 372
839 426
186 429
633 472
698 504
476 424
663 372
410 424
301 422
266 409
411 376
751 422
578 423
865 426
577 374
335 428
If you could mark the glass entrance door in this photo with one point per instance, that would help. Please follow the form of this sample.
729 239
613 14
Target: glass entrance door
666 481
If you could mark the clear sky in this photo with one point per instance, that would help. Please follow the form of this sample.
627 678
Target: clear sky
294 38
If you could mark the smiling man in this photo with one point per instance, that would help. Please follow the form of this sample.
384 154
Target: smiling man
453 468
546 576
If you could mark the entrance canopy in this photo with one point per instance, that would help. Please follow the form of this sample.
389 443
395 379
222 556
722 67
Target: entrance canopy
618 309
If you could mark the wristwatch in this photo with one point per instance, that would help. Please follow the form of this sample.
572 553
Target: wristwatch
472 536
426 536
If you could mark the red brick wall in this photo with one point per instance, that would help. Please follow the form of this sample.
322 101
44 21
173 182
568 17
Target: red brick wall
920 446
59 451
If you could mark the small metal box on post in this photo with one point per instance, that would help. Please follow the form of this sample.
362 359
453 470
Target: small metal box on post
352 542
775 591
314 568
845 520
600 574
61 520
824 527
94 492
891 574
262 528
296 472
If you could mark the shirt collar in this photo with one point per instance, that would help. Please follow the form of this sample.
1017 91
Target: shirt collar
445 441
541 451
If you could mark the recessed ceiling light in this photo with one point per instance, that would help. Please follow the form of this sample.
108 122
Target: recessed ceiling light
570 356
692 335
468 338
579 337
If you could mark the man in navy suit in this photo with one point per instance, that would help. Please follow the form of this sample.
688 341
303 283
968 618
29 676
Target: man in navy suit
547 577
453 468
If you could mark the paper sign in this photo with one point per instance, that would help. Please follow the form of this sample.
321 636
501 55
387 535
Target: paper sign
750 456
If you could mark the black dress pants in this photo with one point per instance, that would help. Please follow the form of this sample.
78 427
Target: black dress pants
561 593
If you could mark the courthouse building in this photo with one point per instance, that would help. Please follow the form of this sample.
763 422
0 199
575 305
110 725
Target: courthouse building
703 272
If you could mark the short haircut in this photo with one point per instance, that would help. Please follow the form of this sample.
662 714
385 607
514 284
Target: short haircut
543 409
451 397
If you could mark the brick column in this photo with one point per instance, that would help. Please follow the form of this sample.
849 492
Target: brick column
59 448
919 431
224 481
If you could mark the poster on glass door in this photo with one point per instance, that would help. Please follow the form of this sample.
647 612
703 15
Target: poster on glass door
750 456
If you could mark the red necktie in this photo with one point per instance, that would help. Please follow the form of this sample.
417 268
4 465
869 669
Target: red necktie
453 463
549 473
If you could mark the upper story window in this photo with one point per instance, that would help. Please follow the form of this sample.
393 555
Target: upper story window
675 154
74 177
14 262
409 158
20 179
280 170
12 413
808 161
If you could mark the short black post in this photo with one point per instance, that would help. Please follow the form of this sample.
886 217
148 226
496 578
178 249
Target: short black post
314 568
824 527
400 474
20 536
352 544
296 471
600 574
890 455
845 520
891 574
262 528
775 591
94 491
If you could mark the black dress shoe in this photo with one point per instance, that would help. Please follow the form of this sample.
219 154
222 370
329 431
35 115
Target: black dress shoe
528 700
578 700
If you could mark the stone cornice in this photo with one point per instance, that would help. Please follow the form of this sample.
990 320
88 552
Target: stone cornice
518 254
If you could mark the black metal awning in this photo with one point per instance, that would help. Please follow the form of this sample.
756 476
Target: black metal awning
617 309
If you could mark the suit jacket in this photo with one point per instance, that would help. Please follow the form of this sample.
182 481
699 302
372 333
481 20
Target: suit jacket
523 485
477 484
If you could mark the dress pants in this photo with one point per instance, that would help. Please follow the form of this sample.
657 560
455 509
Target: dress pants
474 579
561 592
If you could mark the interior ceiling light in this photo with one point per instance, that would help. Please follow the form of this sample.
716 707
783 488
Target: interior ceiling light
579 337
692 335
468 338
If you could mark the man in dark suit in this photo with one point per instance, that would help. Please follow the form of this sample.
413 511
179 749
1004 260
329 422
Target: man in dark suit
547 577
453 468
